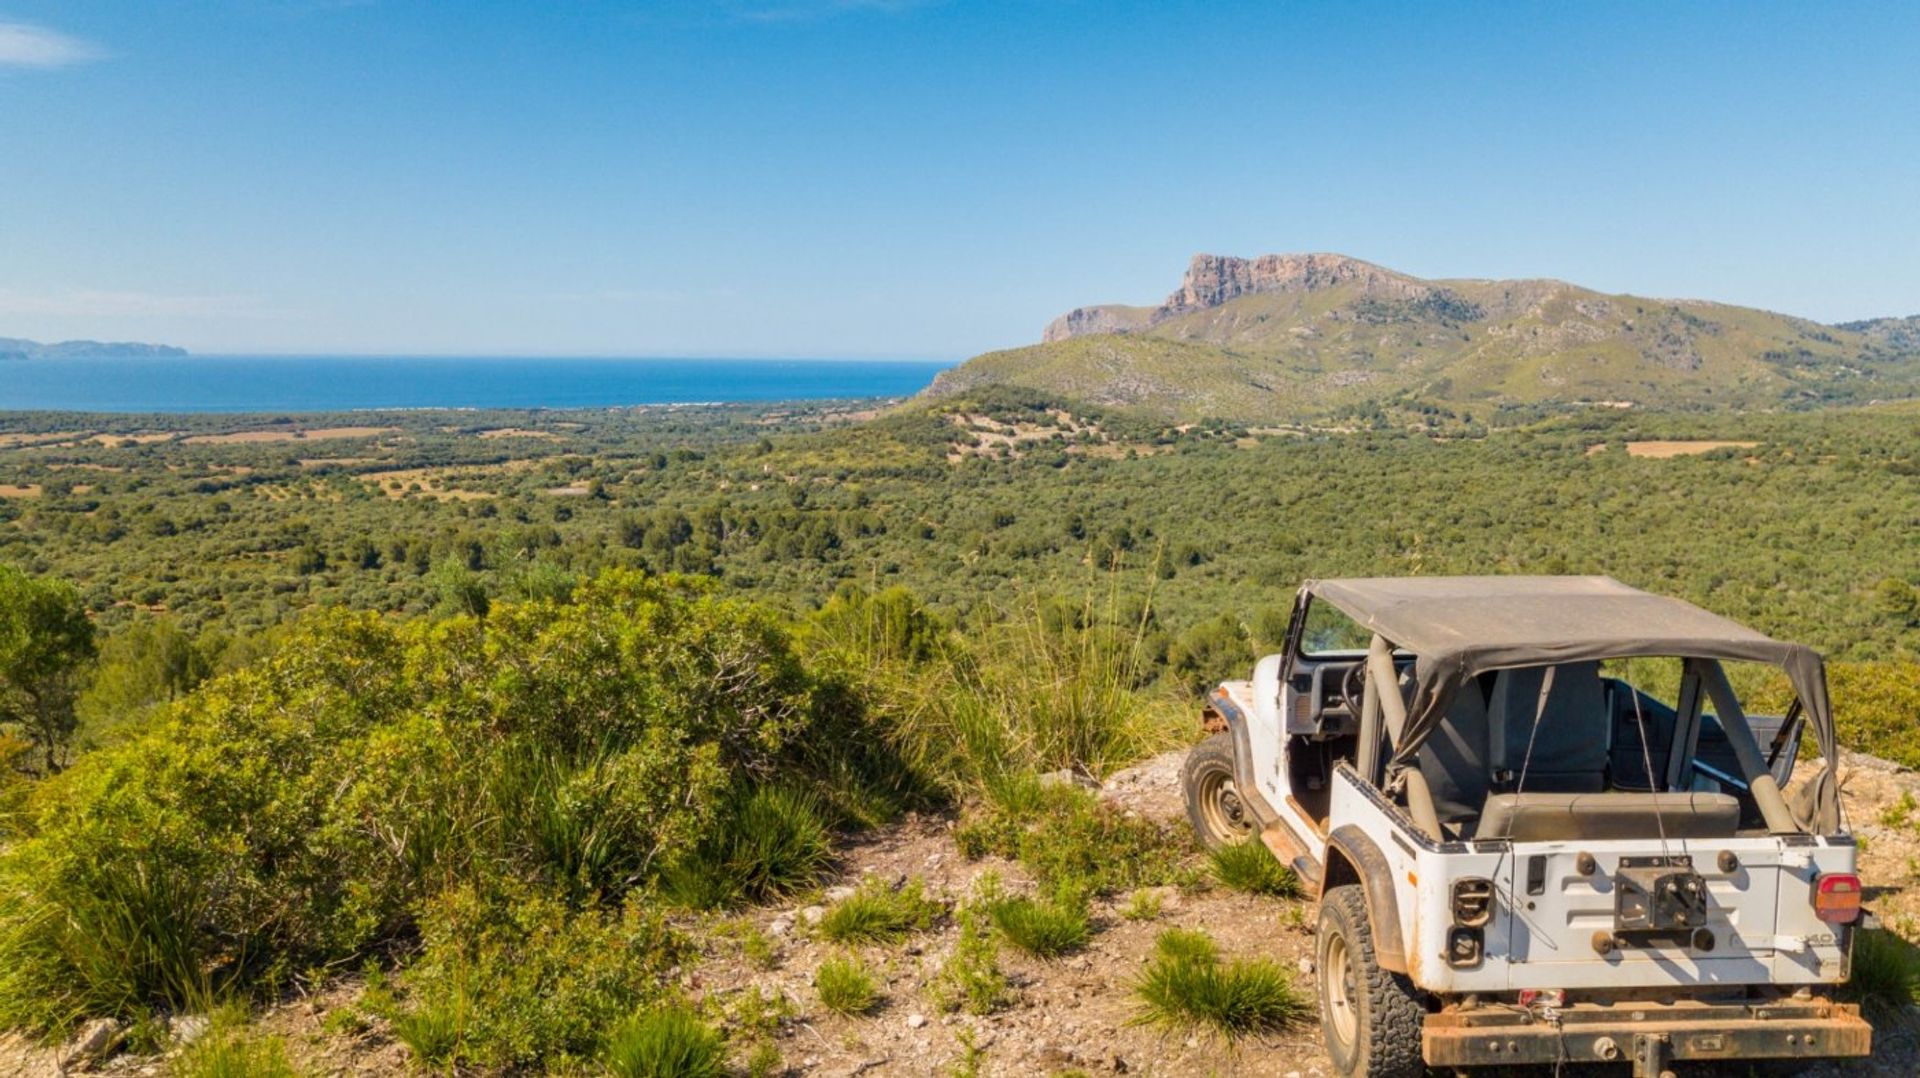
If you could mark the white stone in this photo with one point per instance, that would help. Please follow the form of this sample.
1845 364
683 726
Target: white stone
915 1021
186 1028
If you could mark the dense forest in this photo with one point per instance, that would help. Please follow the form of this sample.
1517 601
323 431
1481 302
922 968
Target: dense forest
271 688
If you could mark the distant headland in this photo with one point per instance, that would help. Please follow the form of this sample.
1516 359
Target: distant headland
19 348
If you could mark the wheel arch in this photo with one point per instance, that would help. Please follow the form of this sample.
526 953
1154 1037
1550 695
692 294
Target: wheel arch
1354 858
1221 714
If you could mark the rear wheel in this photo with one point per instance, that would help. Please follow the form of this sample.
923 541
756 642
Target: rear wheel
1371 1018
1214 806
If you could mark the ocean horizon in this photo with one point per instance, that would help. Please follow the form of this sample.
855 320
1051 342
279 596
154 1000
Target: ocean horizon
338 383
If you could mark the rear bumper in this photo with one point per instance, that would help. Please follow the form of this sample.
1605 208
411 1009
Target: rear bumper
1647 1035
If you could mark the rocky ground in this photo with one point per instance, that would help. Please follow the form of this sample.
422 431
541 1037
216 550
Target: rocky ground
1070 1016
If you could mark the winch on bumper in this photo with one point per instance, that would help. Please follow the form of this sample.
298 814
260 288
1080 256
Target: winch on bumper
1648 1035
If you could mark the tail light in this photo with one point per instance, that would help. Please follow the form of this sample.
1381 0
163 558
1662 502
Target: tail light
1472 901
1836 898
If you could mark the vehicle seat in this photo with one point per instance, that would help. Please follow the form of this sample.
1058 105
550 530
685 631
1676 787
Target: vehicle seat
1454 758
1571 748
1548 817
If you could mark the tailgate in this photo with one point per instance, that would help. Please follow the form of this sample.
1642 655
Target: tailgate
1571 907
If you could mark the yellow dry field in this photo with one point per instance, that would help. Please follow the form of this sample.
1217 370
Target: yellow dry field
1657 450
1664 450
519 432
10 490
313 435
14 440
146 438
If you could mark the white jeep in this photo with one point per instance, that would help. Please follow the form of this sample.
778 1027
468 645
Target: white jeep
1540 826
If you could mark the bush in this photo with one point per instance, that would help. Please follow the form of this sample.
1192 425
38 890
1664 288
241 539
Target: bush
877 913
1186 984
511 979
300 812
845 986
666 1042
1250 867
1042 929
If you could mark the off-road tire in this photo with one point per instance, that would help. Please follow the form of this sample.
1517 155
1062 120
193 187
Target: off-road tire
1378 1036
1214 807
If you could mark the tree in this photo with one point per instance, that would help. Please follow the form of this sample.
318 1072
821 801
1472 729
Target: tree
45 638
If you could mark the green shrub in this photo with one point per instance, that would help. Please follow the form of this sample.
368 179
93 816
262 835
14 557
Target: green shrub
1042 929
666 1042
1250 867
1186 984
1899 814
298 812
1885 972
1064 834
877 913
845 986
512 979
1059 685
971 978
772 843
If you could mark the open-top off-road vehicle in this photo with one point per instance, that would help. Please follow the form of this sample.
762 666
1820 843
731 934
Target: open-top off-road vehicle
1541 827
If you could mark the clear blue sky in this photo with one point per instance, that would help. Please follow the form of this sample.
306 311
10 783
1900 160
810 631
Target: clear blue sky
891 178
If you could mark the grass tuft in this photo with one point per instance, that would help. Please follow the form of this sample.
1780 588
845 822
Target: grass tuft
1142 905
774 842
231 1050
434 1029
666 1042
846 986
1886 972
1042 929
1249 867
1187 985
877 913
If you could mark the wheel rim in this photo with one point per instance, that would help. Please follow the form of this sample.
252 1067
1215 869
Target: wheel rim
1336 972
1226 815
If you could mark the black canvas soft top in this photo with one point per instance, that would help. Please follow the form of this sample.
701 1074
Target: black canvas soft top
1458 627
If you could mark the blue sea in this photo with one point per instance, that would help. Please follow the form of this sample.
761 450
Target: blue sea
227 383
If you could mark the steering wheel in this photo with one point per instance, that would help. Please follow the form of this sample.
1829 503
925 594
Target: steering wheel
1353 685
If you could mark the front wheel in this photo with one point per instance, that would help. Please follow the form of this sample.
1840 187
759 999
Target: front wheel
1214 807
1371 1018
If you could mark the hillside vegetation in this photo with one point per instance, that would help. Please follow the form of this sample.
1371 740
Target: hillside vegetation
529 740
1290 337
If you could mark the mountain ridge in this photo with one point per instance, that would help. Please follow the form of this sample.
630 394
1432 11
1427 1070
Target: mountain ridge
1288 336
21 348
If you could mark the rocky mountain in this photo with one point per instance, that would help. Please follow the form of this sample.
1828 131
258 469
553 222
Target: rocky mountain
1291 336
20 348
